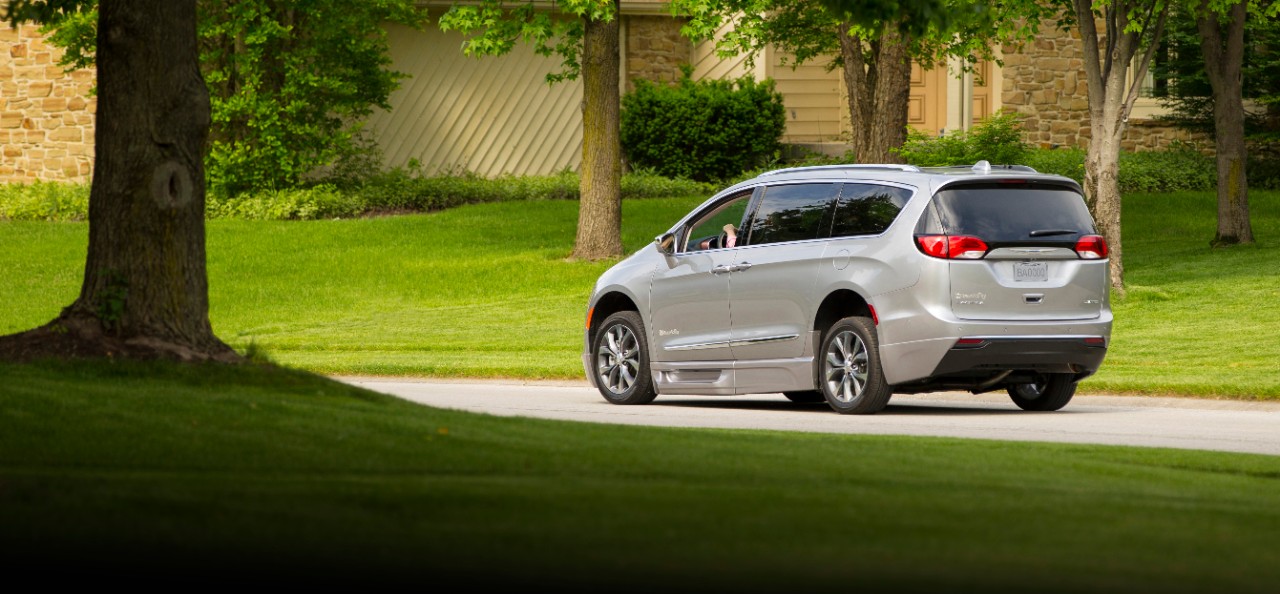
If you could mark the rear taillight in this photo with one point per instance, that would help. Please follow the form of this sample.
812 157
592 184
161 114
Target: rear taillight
1091 247
952 247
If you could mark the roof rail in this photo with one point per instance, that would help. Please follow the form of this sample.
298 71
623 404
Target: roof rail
852 166
980 167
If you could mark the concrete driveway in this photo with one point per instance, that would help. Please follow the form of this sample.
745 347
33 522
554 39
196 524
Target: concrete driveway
1223 425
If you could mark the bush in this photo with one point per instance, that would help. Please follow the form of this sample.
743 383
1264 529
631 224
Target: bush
997 140
704 130
317 202
44 201
1178 167
1068 162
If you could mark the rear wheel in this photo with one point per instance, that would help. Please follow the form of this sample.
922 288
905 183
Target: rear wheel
805 396
622 360
849 372
1051 391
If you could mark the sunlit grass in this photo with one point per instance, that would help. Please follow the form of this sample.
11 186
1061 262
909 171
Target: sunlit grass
486 290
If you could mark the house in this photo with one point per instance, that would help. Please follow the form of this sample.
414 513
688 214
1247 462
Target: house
498 115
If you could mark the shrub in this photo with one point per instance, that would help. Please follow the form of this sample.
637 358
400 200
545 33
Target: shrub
997 139
317 202
44 201
1068 162
704 130
1178 167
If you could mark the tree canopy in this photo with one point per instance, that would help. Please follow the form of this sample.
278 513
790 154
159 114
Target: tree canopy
290 80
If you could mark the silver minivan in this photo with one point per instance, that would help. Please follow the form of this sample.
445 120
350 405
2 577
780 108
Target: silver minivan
850 283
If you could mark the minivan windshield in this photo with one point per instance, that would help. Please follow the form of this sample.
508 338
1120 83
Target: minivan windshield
1014 212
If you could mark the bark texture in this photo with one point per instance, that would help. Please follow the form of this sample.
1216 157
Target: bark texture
600 210
145 291
1224 59
1107 61
877 75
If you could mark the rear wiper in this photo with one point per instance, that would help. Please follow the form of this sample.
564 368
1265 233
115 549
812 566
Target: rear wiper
1044 232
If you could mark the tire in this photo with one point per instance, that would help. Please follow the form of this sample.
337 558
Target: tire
621 353
1052 392
849 373
805 396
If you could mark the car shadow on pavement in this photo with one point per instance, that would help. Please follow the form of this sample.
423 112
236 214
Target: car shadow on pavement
909 409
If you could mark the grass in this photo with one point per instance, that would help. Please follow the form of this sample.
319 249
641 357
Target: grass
168 471
485 290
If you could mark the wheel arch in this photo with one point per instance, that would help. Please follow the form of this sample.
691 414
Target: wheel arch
837 305
608 304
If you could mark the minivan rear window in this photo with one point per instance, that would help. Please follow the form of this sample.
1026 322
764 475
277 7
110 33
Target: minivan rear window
1013 213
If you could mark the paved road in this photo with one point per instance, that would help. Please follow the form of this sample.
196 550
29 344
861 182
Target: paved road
1117 420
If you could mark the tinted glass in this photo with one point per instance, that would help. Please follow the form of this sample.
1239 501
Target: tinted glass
867 209
792 213
1014 213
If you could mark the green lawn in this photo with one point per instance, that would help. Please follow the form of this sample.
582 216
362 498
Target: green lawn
485 290
202 473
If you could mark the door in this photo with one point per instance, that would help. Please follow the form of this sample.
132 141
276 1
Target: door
927 104
690 290
774 276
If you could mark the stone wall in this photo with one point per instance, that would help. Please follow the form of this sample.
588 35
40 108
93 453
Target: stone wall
1045 81
46 114
655 49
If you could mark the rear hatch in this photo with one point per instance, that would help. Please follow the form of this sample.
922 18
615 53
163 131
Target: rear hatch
1017 250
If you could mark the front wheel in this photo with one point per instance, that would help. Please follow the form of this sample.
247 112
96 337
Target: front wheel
1051 391
622 360
849 372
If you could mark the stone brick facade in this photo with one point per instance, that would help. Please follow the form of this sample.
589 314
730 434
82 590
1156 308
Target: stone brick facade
46 114
1045 81
655 49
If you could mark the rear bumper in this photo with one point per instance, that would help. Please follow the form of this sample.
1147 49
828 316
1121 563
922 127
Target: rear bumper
1080 355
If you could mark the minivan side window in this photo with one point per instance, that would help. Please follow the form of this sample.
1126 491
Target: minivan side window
707 232
867 209
792 212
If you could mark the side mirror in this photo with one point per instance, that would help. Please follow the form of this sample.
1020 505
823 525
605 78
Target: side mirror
666 243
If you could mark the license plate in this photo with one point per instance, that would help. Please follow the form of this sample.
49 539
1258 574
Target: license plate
1030 271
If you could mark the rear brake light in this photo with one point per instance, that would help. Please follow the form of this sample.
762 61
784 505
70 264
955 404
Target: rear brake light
952 247
1092 247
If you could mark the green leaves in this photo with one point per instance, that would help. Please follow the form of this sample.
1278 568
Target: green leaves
493 28
288 79
706 130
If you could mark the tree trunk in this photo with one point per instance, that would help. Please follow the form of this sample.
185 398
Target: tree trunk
145 291
1107 59
1102 192
600 209
878 91
1223 62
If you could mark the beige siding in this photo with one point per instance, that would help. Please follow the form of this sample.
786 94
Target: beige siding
812 96
490 116
707 65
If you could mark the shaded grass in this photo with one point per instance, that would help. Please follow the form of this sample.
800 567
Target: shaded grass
122 468
485 290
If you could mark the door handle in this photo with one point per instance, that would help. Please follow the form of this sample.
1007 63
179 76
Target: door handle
722 268
742 266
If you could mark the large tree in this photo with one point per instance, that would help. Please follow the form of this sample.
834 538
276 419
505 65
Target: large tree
1221 24
584 33
1116 59
145 291
290 80
873 42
